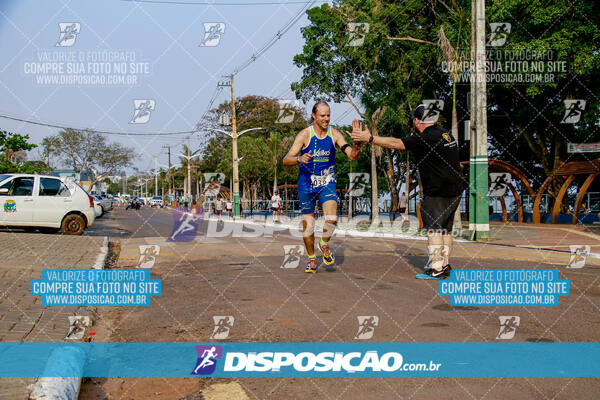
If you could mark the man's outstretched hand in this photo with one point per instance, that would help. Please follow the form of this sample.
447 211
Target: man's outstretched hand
360 133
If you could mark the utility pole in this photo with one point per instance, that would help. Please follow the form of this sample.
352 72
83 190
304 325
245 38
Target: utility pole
169 170
236 182
479 217
156 176
168 176
189 171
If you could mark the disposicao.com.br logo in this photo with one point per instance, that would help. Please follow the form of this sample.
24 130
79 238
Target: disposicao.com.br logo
310 363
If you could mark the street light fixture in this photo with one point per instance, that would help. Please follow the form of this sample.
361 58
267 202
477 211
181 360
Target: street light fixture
236 182
188 187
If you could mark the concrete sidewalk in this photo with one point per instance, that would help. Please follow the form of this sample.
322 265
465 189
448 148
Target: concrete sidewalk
23 256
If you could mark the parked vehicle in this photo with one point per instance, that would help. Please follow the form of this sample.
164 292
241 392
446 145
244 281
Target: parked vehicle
98 210
156 201
105 203
46 202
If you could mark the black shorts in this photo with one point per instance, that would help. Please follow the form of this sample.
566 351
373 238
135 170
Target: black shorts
437 213
274 208
402 210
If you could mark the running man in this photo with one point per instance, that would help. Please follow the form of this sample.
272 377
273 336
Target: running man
436 156
275 205
314 151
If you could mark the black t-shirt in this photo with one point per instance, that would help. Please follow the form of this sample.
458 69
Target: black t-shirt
435 154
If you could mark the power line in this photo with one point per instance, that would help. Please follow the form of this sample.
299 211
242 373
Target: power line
202 3
49 125
282 31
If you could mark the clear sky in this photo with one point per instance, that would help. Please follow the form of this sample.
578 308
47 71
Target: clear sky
163 41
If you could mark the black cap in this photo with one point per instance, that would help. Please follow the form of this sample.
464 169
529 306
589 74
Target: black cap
418 112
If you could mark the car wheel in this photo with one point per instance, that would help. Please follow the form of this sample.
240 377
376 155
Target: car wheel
101 211
73 224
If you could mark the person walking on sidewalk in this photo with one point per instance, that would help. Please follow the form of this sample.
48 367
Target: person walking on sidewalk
314 151
402 205
229 206
218 207
275 205
436 155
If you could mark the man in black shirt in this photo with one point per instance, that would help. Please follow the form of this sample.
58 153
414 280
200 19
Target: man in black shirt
436 155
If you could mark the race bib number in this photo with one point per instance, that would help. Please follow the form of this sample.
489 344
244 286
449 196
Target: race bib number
321 180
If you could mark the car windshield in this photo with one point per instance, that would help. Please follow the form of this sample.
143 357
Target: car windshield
157 198
4 176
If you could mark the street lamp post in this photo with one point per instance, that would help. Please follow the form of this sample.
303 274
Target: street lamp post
188 187
236 183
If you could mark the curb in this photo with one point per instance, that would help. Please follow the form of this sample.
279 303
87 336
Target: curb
68 360
101 258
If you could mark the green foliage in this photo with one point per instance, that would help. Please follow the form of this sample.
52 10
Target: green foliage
400 64
88 150
262 151
11 143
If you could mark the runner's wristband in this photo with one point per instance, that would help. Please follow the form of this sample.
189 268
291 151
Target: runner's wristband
298 159
343 148
371 139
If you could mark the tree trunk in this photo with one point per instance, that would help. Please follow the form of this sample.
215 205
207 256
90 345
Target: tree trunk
374 191
375 118
457 225
392 179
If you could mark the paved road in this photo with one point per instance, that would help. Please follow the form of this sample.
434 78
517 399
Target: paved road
243 277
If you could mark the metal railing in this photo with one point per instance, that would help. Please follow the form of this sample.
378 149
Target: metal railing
363 205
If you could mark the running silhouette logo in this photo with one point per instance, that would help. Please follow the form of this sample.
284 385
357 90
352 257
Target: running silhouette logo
68 33
579 254
148 255
142 108
499 33
212 34
186 223
573 111
508 327
208 357
358 182
498 183
287 111
213 182
77 325
366 326
223 324
437 255
356 33
291 256
433 109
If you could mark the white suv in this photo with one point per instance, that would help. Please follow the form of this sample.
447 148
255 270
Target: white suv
43 201
156 201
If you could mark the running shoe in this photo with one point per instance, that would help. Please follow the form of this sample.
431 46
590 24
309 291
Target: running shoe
434 274
311 268
328 257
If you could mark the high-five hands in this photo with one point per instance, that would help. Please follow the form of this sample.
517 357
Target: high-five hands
360 133
305 158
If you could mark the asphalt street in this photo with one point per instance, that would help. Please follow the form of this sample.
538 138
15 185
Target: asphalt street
272 300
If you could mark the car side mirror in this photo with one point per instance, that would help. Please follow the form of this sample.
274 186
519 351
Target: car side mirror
3 190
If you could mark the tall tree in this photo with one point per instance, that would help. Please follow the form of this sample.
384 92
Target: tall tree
88 151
